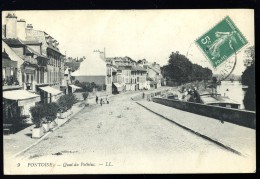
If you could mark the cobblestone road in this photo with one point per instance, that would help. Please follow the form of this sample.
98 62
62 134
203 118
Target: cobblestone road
133 140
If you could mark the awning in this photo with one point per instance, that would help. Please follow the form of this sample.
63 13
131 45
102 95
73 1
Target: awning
118 86
22 96
75 87
50 90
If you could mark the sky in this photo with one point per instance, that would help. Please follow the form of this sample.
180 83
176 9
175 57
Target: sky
139 34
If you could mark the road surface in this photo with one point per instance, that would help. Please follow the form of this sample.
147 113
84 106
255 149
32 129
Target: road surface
132 139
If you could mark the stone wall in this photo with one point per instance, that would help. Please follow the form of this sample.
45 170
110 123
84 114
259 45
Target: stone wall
239 117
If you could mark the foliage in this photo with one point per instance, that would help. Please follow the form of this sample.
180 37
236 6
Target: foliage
89 87
65 102
51 110
248 79
181 70
85 95
40 112
37 114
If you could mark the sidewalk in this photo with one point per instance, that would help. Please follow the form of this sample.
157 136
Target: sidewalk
239 138
19 141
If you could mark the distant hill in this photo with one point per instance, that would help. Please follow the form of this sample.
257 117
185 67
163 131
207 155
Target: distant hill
231 77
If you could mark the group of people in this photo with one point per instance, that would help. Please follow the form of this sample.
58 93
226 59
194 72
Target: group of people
102 101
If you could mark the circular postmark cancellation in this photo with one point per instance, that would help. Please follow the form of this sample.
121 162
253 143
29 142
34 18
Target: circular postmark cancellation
220 46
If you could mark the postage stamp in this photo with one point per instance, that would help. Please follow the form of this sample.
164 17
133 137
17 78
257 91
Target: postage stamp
221 42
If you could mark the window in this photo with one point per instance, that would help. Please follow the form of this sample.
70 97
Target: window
12 71
3 72
228 105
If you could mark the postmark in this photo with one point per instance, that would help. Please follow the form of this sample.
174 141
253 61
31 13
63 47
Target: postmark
221 42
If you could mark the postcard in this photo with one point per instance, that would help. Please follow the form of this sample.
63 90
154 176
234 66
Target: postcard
128 91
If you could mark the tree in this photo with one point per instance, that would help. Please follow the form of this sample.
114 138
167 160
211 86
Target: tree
181 70
38 114
85 95
248 79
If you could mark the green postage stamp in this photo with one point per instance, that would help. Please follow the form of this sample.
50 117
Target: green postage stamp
221 42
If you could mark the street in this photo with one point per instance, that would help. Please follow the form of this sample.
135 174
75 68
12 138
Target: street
124 134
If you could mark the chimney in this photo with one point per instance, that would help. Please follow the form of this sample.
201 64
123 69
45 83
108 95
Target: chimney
21 25
11 22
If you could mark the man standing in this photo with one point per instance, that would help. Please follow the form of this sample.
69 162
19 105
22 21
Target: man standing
101 101
97 99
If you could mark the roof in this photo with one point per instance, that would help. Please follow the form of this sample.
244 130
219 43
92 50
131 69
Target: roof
72 65
19 95
217 100
7 62
54 49
12 54
30 50
149 79
5 55
13 42
138 68
153 68
75 87
124 67
94 65
50 90
31 42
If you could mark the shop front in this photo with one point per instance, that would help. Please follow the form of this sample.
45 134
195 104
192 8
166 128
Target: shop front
17 104
49 94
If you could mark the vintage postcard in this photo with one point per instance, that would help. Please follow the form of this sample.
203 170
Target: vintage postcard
128 91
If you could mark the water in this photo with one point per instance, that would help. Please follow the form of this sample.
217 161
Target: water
235 91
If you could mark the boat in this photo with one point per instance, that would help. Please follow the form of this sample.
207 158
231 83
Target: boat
218 100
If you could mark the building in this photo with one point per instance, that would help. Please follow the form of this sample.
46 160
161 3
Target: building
94 69
138 78
9 71
154 75
16 100
50 88
33 67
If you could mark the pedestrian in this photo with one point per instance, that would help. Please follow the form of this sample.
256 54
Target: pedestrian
101 101
107 100
97 99
143 95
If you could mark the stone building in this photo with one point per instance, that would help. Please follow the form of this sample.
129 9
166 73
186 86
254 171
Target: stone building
94 69
35 63
154 75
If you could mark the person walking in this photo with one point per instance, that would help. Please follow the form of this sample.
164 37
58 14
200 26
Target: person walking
101 101
107 99
97 99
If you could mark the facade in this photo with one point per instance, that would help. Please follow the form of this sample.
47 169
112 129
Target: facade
16 100
154 74
94 69
33 68
54 71
9 70
138 78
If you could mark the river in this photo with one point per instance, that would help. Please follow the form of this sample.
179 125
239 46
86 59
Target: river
234 92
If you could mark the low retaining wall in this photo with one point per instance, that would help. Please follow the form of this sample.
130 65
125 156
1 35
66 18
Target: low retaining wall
149 95
239 117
